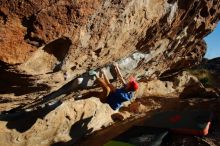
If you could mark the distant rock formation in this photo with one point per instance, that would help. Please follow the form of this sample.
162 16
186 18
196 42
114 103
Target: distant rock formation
212 65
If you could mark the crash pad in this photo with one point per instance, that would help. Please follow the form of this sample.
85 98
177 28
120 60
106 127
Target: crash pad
193 122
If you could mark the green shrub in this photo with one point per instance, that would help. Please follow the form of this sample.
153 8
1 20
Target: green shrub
204 76
205 81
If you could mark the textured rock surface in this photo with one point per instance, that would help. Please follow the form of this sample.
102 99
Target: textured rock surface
65 123
46 44
68 122
183 85
74 36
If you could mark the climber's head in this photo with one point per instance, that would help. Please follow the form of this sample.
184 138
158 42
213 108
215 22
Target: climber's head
132 85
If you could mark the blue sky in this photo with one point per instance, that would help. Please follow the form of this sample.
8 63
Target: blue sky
213 43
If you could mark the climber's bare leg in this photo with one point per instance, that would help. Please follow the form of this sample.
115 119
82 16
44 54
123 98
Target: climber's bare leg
112 88
105 90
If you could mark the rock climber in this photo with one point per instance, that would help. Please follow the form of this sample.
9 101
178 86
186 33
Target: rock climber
116 96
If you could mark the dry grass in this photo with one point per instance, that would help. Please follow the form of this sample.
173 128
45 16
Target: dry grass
204 76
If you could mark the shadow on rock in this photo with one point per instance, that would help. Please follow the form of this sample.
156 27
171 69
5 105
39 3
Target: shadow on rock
17 83
77 131
23 121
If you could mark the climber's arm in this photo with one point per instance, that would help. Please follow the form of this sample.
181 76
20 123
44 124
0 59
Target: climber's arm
119 74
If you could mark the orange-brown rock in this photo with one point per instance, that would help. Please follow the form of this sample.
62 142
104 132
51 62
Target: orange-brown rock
55 41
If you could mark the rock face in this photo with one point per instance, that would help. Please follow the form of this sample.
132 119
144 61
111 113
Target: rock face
183 85
46 45
56 41
66 123
73 36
